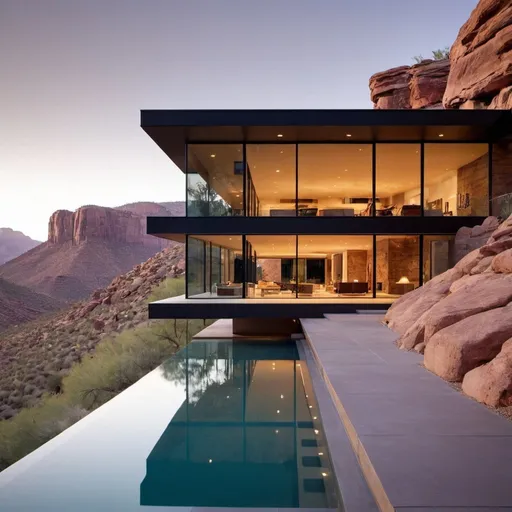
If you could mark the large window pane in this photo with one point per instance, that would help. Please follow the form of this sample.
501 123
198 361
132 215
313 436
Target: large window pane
335 179
398 180
398 264
215 177
214 266
438 255
271 179
271 266
457 179
335 266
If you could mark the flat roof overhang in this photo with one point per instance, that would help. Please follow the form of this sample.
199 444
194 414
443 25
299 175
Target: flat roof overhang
180 307
172 129
175 228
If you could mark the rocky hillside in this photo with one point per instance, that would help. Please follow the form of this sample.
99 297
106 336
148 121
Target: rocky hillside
462 319
19 304
13 243
85 250
478 73
35 355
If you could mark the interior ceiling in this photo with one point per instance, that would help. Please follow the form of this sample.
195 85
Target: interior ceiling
334 170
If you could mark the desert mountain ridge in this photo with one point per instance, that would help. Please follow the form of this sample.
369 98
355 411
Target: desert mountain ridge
13 243
87 248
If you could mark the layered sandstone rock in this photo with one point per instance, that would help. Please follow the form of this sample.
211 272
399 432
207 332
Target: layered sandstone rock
98 222
461 318
481 58
406 87
491 383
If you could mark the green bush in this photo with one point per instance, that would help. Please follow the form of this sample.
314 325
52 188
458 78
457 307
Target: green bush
170 287
114 365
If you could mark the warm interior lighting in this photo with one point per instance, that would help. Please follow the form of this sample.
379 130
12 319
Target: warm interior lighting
441 135
349 135
279 135
212 155
403 280
277 170
320 453
356 280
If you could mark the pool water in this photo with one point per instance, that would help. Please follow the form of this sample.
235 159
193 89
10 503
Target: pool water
220 424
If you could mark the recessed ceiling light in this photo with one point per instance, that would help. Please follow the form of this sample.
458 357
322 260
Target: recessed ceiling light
277 170
349 135
360 149
212 155
346 170
238 195
441 135
279 135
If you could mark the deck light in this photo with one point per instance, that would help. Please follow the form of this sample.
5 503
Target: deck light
282 396
277 431
314 417
311 407
320 453
316 432
277 411
324 474
210 461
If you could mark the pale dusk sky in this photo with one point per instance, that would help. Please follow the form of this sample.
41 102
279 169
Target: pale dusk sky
75 74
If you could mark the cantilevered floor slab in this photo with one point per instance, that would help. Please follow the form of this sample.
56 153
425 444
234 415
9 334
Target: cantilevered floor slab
421 444
181 307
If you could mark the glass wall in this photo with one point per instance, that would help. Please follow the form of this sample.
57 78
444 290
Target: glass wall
398 180
271 266
397 264
438 255
215 180
271 179
332 266
214 266
457 179
335 179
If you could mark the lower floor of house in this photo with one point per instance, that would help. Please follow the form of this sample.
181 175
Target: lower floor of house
324 267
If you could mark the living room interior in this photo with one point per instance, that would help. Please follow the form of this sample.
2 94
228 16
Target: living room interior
312 266
336 179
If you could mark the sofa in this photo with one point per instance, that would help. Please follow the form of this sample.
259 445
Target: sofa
350 288
229 290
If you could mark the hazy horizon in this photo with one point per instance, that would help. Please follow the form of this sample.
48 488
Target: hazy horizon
76 75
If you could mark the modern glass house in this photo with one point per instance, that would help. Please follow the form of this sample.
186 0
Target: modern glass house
294 213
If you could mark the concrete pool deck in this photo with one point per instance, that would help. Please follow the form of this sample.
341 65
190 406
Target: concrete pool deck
421 444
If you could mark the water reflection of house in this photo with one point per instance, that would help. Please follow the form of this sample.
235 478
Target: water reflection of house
240 443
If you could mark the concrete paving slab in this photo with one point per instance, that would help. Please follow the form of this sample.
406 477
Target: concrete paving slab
421 444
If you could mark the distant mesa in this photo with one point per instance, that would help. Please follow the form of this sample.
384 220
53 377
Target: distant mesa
87 248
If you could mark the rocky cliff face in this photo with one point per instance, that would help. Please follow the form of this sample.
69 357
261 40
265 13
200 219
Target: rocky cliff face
406 87
477 75
481 59
462 319
97 222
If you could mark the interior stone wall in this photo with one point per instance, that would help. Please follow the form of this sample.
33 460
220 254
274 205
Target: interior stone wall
356 266
501 169
271 269
473 179
396 258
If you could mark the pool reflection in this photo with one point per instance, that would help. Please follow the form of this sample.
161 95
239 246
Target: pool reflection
244 436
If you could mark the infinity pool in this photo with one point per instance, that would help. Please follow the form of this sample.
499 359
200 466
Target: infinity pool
220 424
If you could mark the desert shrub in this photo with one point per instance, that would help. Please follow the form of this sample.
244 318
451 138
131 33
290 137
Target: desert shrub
32 427
54 383
170 287
439 54
121 361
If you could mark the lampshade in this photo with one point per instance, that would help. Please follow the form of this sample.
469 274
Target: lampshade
356 280
403 280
